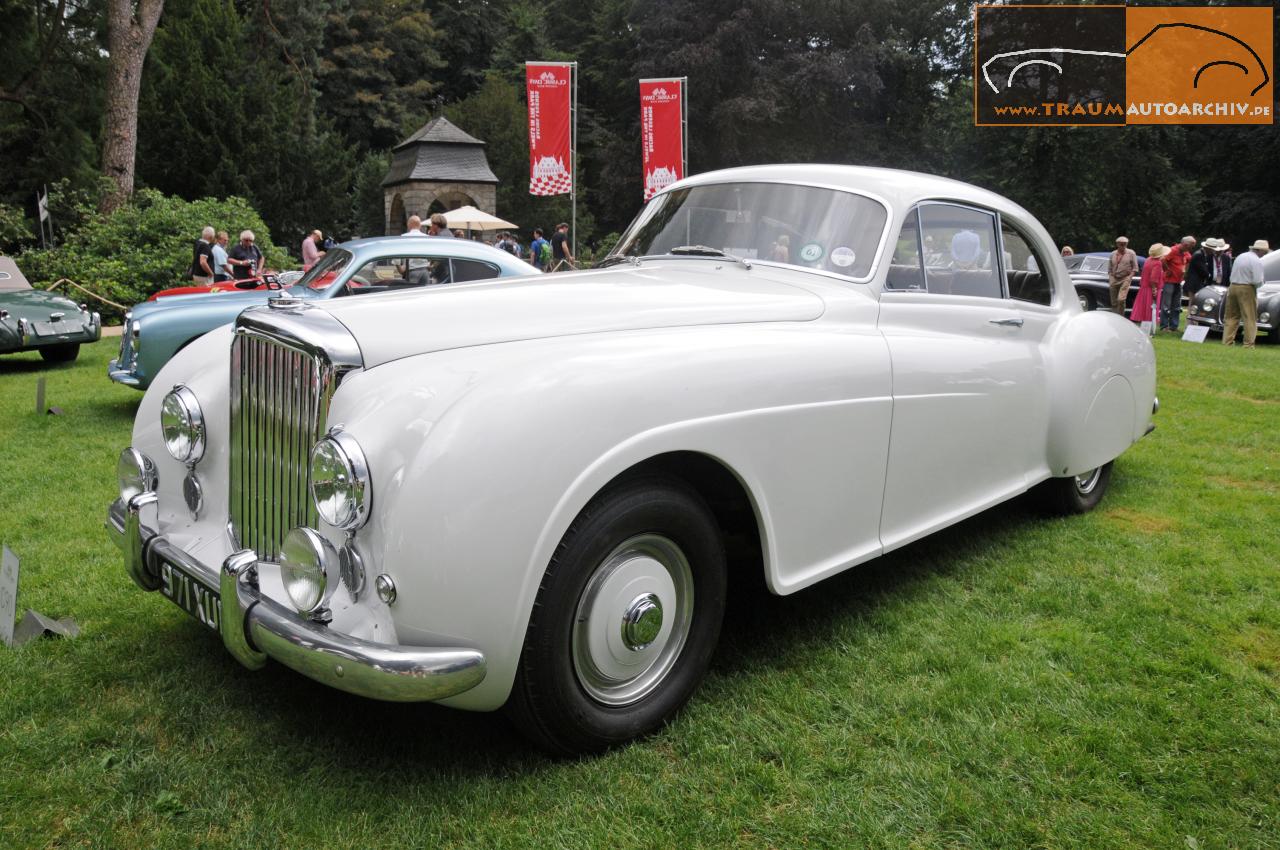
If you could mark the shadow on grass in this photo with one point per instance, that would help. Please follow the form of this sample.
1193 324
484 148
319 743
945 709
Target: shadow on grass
17 365
393 743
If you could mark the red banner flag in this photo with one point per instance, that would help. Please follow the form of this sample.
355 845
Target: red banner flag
662 132
549 87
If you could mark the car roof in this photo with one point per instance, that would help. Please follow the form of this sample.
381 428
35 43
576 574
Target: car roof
899 189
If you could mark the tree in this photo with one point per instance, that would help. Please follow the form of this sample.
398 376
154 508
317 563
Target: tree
131 24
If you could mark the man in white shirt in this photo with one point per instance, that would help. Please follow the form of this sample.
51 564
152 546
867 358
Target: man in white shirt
415 227
1242 295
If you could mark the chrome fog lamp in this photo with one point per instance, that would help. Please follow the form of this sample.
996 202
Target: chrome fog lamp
1264 317
340 481
182 424
135 473
308 569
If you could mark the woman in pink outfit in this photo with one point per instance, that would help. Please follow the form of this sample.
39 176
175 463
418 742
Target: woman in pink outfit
1149 288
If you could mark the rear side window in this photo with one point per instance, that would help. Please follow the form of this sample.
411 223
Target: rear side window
464 270
959 245
1025 270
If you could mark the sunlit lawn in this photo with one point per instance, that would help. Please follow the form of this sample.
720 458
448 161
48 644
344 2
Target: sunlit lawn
1107 680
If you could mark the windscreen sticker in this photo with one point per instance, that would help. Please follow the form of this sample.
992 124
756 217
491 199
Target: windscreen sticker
842 257
811 253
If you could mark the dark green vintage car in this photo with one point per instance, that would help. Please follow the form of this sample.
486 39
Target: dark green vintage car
35 320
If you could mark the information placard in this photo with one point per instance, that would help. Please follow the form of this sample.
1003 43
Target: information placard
1195 333
8 594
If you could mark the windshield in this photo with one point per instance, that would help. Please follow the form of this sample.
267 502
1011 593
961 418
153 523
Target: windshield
327 270
780 222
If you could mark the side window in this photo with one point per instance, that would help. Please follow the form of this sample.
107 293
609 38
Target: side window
392 274
960 251
464 270
906 272
1022 268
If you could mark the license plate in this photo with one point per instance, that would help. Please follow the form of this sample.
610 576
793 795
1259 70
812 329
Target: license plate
191 595
54 328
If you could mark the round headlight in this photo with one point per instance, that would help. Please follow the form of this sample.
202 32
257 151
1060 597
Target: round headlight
1209 304
182 424
308 569
1264 317
135 473
340 481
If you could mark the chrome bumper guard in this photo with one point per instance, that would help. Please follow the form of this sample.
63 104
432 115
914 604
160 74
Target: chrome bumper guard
122 376
255 627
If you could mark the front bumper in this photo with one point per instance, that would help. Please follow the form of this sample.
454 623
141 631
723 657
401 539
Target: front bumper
124 376
255 627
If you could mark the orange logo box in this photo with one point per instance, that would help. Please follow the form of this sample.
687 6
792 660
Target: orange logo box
1198 65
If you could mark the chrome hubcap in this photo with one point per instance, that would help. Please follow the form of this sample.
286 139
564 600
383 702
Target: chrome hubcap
642 622
633 620
1084 302
1086 481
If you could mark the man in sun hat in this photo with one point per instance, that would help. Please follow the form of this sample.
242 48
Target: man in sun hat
1242 295
1121 267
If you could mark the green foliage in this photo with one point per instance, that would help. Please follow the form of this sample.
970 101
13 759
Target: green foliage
367 206
376 69
144 246
15 229
51 77
282 103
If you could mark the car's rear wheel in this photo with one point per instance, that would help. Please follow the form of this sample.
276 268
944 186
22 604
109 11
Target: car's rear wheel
64 353
625 621
1075 494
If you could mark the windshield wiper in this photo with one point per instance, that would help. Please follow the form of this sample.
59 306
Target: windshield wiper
707 251
615 259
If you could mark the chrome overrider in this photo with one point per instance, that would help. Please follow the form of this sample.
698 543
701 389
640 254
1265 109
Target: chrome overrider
255 627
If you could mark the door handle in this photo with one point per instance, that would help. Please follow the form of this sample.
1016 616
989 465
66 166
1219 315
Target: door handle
1012 323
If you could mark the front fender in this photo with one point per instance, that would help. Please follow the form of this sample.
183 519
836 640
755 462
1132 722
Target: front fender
481 458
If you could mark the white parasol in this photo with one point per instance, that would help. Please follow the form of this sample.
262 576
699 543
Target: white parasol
471 218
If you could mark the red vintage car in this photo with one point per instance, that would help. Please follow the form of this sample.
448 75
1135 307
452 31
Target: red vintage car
268 280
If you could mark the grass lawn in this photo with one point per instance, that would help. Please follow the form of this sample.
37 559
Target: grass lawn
1107 680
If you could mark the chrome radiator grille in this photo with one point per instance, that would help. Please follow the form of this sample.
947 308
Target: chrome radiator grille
279 400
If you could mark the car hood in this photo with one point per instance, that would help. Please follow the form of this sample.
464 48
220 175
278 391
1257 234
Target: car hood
661 294
217 302
35 305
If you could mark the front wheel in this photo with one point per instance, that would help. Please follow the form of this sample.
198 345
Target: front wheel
1086 300
64 353
1075 494
625 621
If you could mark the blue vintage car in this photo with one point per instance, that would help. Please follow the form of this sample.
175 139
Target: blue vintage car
156 330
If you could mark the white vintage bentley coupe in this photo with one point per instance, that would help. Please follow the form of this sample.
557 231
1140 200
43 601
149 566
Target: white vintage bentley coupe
533 493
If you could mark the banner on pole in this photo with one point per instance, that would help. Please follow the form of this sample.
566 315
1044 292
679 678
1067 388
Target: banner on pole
42 204
662 133
549 89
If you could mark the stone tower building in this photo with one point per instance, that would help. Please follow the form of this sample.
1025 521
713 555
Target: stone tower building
437 169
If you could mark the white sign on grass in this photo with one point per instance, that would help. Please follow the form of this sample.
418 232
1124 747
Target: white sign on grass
1195 333
8 594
